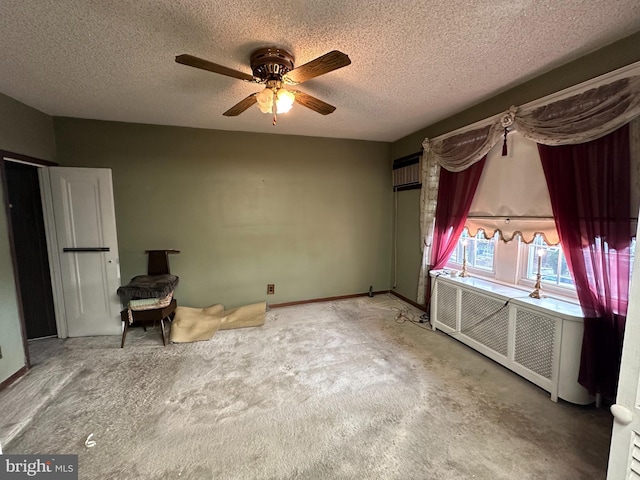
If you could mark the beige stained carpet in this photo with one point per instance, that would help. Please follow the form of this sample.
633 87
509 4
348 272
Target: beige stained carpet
335 390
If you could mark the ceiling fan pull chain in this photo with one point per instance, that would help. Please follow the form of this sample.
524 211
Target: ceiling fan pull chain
274 107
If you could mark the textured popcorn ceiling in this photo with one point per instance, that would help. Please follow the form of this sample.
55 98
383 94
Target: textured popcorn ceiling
413 62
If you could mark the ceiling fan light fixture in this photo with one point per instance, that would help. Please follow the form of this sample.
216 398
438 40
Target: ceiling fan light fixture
284 100
265 100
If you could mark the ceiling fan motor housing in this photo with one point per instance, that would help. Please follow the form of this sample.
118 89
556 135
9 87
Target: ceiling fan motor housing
271 63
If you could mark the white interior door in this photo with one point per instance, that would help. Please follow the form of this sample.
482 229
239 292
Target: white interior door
87 249
624 456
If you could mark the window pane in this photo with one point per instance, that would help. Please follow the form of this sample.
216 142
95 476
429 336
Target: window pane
553 264
565 275
480 251
549 264
456 256
484 253
632 254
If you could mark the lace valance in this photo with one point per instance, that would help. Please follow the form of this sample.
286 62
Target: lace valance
459 152
576 119
584 117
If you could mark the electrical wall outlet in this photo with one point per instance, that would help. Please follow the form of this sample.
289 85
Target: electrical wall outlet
271 289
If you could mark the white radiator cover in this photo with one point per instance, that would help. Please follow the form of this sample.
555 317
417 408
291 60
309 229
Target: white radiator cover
539 339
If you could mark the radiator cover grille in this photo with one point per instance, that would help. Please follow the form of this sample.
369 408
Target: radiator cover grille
485 320
634 468
535 340
447 305
529 337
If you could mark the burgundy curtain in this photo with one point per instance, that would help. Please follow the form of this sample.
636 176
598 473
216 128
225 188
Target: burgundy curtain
455 193
589 189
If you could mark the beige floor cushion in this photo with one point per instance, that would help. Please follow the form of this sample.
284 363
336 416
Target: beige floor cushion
197 324
247 316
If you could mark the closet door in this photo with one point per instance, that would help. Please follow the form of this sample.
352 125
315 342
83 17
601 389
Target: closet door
624 456
87 249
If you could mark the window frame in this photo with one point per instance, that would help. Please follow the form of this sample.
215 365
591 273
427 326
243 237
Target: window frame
565 291
510 264
475 270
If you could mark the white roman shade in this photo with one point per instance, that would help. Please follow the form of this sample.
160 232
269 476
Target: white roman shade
512 196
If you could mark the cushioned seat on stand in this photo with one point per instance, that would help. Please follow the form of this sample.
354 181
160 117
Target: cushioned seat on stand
145 317
149 298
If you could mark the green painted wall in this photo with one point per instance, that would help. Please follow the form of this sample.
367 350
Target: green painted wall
310 215
25 130
29 132
609 58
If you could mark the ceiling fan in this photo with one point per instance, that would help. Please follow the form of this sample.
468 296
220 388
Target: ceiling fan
274 68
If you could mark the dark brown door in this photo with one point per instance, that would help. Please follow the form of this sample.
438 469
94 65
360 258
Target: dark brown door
30 246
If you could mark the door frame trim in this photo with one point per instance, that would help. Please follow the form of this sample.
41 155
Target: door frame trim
7 156
14 262
52 252
18 157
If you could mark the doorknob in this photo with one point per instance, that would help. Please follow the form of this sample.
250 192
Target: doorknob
621 414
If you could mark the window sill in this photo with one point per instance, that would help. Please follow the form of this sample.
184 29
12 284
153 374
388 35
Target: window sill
567 307
526 285
479 272
564 294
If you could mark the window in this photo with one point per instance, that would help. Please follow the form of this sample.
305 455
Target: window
553 264
621 258
480 251
516 263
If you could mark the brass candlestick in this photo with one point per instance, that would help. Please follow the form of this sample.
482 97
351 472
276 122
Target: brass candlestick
536 290
538 286
464 272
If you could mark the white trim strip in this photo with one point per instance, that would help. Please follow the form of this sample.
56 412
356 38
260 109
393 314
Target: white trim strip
24 162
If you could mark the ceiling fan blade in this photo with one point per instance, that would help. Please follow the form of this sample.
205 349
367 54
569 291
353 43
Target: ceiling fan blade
241 106
326 63
313 103
196 62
